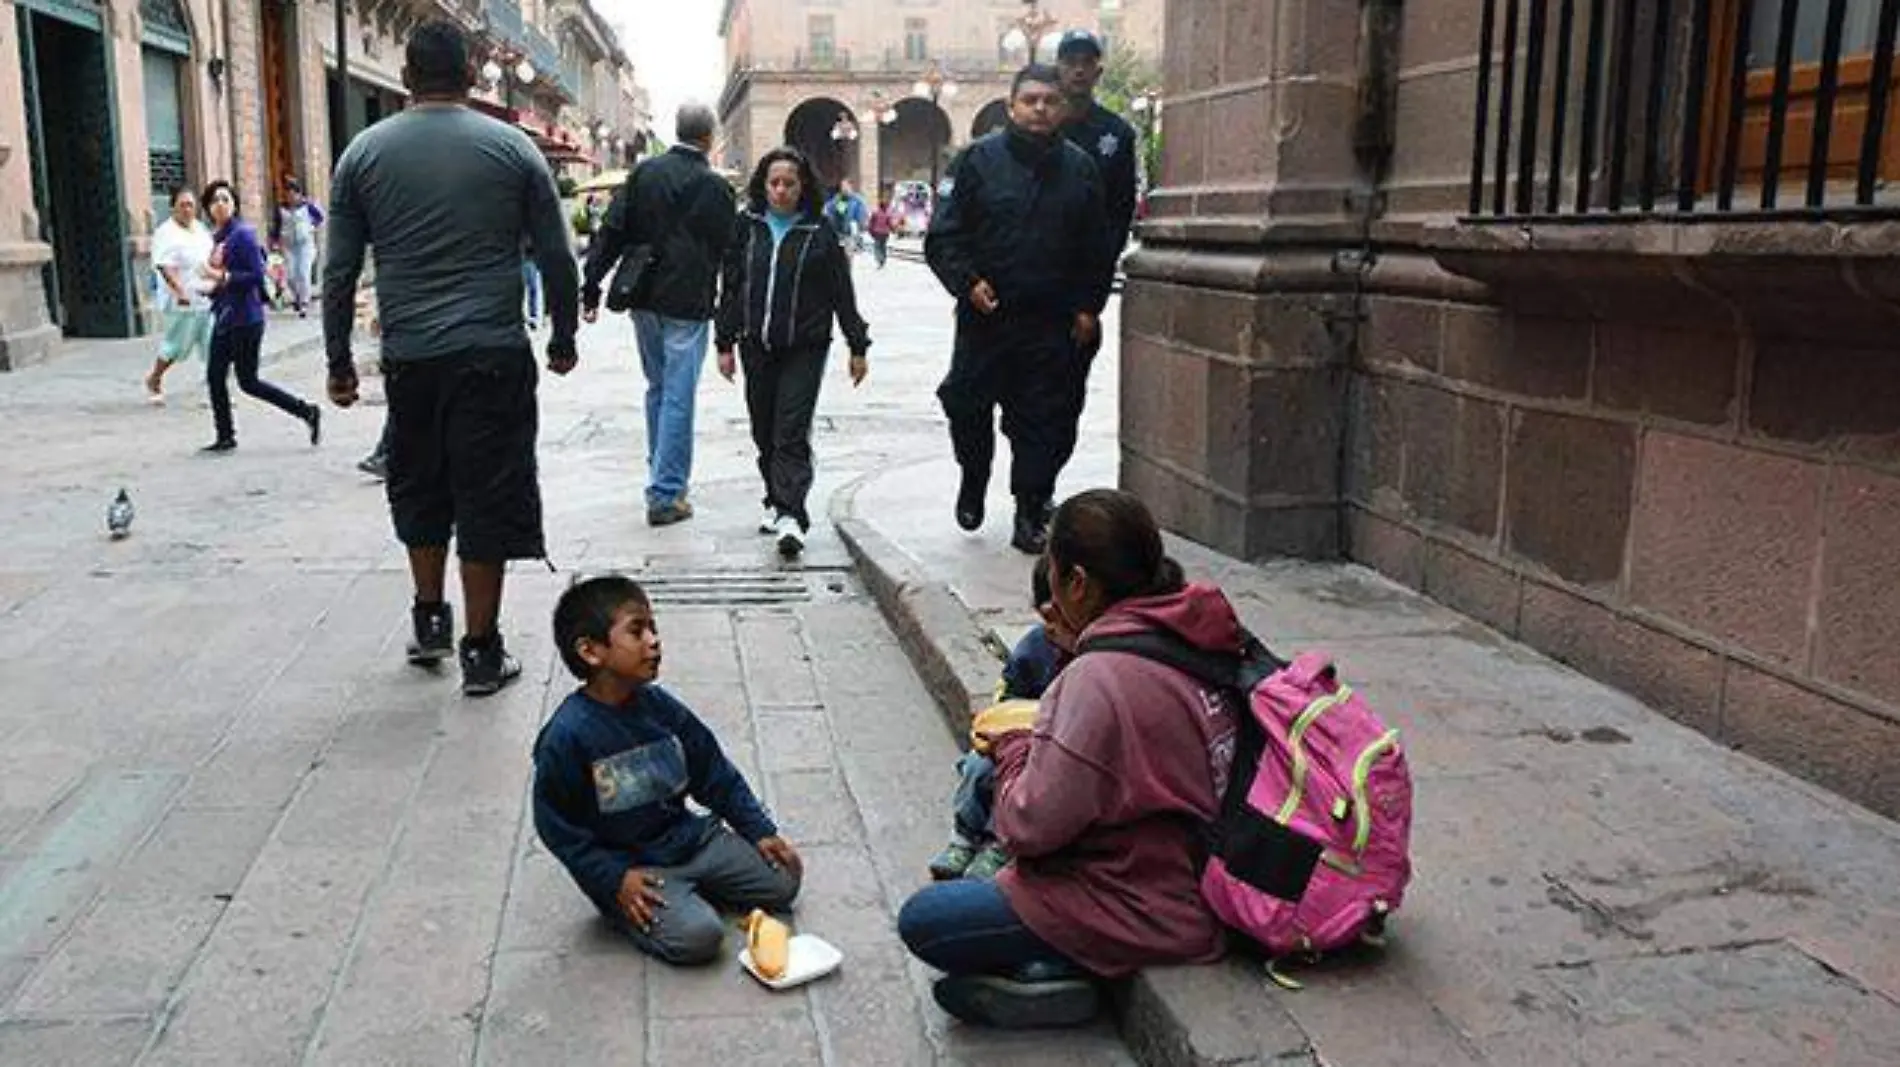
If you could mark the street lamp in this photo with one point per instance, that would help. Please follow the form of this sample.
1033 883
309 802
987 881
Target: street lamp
1031 27
508 63
934 86
844 129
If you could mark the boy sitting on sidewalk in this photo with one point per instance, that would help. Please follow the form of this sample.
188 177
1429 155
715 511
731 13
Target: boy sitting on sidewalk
1033 664
613 769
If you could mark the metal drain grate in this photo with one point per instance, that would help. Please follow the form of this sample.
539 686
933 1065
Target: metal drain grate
728 588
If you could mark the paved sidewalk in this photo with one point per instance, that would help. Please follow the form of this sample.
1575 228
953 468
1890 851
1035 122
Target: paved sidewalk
236 829
1594 883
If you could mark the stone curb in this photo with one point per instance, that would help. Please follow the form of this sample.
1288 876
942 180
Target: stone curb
1213 1016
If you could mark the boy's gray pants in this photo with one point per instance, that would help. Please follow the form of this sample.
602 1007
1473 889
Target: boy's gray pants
726 872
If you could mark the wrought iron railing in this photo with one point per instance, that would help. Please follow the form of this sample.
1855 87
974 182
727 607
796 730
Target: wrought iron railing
503 19
1613 109
546 57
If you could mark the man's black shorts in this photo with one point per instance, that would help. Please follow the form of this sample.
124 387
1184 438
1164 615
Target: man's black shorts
462 454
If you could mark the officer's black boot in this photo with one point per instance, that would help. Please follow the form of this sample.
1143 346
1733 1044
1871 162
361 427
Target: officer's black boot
1032 525
970 494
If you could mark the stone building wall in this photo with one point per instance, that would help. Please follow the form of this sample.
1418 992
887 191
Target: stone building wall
1666 455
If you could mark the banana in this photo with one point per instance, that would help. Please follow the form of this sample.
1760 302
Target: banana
770 943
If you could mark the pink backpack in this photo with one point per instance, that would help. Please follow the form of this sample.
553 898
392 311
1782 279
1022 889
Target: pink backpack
1312 850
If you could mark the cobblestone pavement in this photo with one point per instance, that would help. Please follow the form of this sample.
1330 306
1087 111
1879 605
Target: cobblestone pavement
236 829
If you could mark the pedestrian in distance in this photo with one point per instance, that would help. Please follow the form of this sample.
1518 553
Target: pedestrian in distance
181 250
613 770
295 231
235 271
458 364
783 283
663 240
883 221
1019 243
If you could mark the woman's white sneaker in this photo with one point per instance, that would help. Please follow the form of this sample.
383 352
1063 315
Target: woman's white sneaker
791 539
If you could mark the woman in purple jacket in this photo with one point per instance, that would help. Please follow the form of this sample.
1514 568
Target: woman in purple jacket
236 271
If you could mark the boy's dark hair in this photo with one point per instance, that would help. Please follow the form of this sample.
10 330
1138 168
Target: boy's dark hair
1039 591
1040 73
436 59
587 610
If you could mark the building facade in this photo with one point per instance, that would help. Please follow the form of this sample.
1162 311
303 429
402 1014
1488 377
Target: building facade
1577 318
107 104
881 91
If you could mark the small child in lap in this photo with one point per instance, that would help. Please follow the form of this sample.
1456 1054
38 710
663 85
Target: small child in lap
613 769
1038 657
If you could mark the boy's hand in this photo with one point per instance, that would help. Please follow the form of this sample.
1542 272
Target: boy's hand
639 897
779 853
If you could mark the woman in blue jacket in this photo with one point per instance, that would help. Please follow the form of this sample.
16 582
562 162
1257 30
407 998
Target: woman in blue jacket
236 272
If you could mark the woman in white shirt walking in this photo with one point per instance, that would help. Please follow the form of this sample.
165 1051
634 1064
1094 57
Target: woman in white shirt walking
181 247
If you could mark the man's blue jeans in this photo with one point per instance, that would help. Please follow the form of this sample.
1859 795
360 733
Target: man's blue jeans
531 280
672 351
968 927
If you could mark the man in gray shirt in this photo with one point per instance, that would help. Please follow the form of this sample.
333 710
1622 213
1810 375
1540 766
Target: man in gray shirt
447 197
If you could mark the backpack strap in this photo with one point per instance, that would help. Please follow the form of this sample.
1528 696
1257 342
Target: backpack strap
1234 675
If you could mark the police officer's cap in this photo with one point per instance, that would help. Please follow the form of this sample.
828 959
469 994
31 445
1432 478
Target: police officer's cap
1077 43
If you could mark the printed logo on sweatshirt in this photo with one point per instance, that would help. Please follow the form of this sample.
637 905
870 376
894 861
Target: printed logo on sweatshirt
640 776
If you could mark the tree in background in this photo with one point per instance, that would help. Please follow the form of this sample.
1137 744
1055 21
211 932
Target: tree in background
1125 76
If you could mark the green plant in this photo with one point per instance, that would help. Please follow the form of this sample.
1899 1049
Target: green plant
566 186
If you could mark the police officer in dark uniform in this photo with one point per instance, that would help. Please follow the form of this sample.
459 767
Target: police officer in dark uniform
1020 243
1107 137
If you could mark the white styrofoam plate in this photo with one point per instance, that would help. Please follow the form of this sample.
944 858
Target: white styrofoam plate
811 958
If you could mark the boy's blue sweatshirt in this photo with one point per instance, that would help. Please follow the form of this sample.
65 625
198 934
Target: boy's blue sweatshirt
1032 665
611 785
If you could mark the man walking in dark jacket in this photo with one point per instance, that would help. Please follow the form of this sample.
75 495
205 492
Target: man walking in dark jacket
1107 137
1019 243
458 367
675 209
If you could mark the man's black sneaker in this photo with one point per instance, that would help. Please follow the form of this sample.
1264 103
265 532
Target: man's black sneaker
222 444
376 465
487 667
970 494
434 639
313 417
1031 535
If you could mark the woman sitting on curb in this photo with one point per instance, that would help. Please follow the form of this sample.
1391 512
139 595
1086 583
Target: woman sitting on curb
1101 803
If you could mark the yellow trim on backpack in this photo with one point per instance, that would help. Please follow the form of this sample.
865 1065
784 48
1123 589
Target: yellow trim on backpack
1362 770
1300 725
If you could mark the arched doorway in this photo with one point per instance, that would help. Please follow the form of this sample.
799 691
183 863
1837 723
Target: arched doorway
993 117
827 132
914 146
